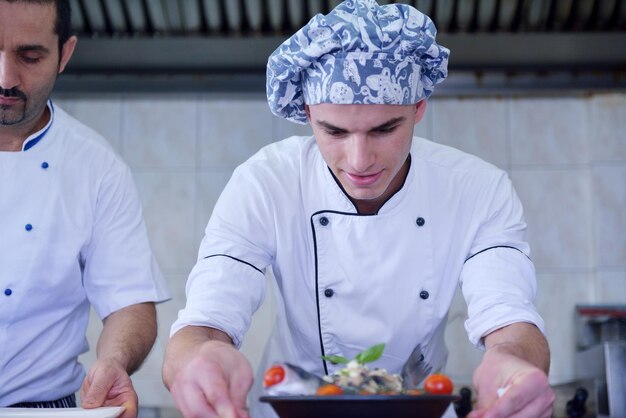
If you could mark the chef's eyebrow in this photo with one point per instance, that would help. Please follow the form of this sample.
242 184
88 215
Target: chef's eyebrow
33 48
330 127
389 124
382 127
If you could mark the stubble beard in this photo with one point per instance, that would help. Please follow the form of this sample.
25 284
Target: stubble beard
12 115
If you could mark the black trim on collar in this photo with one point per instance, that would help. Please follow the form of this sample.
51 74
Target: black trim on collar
338 212
497 246
236 259
317 293
386 200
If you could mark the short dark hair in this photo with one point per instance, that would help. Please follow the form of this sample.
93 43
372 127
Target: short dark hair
63 24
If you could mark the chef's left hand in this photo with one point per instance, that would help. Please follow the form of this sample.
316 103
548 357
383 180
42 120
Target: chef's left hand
527 392
108 384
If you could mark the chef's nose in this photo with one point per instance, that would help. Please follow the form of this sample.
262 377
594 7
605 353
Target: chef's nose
8 73
360 153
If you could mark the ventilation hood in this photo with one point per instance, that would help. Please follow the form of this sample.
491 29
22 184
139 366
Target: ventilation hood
219 45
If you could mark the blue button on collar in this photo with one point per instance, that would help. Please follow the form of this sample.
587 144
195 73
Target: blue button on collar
28 227
8 292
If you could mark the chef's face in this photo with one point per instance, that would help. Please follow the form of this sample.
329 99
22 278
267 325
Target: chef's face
366 147
29 62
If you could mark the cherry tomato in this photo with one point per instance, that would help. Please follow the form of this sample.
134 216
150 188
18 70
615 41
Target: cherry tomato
329 389
273 376
438 384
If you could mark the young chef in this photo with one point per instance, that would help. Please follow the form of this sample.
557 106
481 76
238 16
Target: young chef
72 233
368 230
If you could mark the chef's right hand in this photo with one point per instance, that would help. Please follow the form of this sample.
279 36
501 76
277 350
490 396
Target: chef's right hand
214 382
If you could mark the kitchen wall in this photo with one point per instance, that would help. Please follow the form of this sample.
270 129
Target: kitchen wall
566 156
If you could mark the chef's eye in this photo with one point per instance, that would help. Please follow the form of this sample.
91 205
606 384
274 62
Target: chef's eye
31 58
334 133
385 131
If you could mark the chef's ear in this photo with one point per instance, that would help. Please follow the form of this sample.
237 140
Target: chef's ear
66 52
308 112
420 109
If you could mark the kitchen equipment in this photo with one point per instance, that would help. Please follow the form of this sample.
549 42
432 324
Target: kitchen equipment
601 356
464 405
599 323
576 407
362 406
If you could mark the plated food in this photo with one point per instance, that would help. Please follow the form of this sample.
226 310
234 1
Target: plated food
354 390
356 378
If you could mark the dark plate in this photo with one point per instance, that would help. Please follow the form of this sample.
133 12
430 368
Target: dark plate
362 406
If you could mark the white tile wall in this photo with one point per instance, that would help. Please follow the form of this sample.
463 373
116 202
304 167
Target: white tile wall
102 115
609 214
558 213
168 198
160 133
549 131
208 187
557 295
611 287
476 126
231 131
566 156
608 138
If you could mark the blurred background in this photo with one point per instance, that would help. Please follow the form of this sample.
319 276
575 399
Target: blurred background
536 87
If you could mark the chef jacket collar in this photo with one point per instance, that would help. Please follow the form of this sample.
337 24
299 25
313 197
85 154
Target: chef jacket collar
33 139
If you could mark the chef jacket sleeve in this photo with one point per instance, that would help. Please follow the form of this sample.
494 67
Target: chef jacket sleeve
227 284
119 267
498 278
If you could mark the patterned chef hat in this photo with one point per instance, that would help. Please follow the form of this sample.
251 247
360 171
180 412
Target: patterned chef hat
359 53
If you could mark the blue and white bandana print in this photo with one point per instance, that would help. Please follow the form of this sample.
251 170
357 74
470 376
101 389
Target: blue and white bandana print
359 53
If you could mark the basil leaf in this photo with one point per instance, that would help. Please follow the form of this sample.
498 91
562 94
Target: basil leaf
336 359
371 354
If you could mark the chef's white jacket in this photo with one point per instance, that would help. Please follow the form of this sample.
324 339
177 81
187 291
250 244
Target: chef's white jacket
346 281
71 235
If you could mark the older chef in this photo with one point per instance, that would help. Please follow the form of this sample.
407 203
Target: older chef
368 230
71 233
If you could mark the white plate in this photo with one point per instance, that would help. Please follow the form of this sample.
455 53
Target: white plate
104 412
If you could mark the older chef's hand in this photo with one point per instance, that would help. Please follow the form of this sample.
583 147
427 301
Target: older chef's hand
213 382
509 381
108 384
